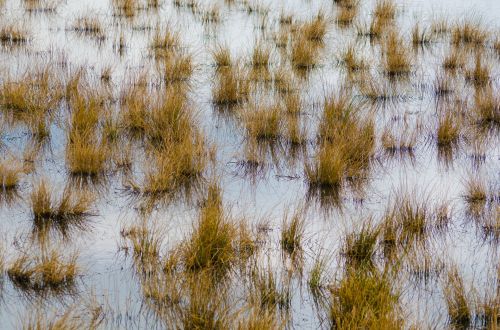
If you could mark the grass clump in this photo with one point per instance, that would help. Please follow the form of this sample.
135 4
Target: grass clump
292 234
359 247
486 111
10 175
70 208
480 74
315 29
385 10
352 61
455 60
261 56
365 300
86 158
48 271
304 54
448 131
232 87
468 33
89 26
177 67
222 57
459 309
263 122
211 245
397 60
13 35
420 37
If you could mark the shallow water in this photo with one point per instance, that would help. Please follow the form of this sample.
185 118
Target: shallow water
106 270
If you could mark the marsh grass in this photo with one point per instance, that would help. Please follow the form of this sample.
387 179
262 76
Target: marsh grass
34 94
10 175
402 144
12 35
315 29
468 33
384 10
454 60
448 132
70 210
457 301
479 75
266 292
292 233
146 242
211 245
397 60
86 159
261 55
232 87
304 54
420 37
177 67
359 247
89 26
365 299
49 271
263 122
352 61
486 111
222 57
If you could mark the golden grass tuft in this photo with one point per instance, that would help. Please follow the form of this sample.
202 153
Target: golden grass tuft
71 206
304 54
178 67
448 131
459 307
384 10
292 233
352 61
365 300
454 60
263 122
85 157
222 57
13 35
480 74
261 55
10 175
211 245
48 271
468 33
232 87
397 60
165 42
359 246
486 111
89 26
315 29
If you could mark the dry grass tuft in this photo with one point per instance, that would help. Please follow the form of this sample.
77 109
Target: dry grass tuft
71 208
448 131
468 33
13 35
212 243
459 309
315 29
89 26
397 60
263 122
10 175
232 87
365 299
292 233
48 271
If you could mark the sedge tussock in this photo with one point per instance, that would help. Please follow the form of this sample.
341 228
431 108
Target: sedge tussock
457 301
90 26
397 60
49 271
232 87
292 233
70 209
10 175
365 299
212 242
468 33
